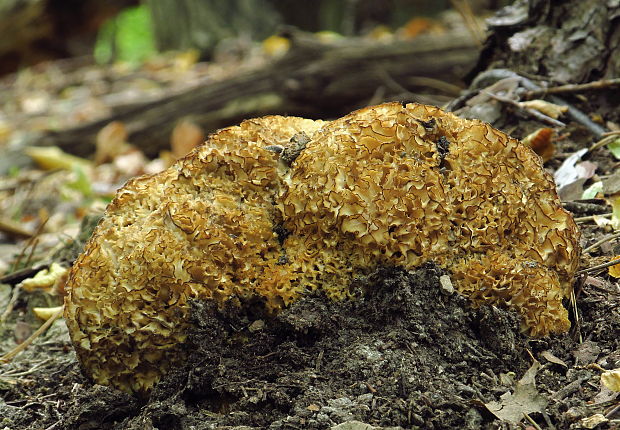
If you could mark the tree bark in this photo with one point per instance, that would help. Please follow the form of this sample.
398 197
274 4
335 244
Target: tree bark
567 41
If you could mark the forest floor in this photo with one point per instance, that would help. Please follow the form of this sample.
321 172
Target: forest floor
407 354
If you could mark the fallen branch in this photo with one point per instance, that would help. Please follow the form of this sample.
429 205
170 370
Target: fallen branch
314 79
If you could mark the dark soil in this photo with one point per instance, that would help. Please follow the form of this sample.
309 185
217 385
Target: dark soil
406 353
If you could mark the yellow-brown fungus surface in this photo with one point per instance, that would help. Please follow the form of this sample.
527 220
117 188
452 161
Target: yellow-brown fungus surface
280 206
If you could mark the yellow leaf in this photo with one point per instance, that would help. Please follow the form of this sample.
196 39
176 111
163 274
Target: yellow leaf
46 313
615 269
44 279
52 157
611 379
276 45
549 109
614 201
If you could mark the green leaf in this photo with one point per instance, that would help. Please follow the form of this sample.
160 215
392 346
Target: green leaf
81 183
614 148
592 191
127 37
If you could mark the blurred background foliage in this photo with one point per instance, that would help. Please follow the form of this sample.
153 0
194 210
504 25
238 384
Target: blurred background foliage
126 37
132 30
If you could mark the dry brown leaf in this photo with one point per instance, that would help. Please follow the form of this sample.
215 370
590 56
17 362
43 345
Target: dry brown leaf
524 400
185 137
540 141
593 421
111 142
552 358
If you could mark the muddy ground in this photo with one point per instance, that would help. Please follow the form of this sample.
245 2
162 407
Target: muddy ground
407 354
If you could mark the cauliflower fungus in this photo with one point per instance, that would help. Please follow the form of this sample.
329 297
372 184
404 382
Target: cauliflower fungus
386 185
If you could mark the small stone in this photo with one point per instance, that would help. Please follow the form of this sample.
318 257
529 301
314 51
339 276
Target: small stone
446 284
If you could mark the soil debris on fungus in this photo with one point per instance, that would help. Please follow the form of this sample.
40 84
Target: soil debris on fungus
372 189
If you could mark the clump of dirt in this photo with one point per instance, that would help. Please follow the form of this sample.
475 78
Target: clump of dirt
407 353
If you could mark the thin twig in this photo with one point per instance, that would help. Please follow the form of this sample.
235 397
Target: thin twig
598 267
591 217
22 346
612 410
569 389
574 88
464 9
25 372
573 302
491 76
532 422
604 141
11 305
602 241
538 115
33 241
11 227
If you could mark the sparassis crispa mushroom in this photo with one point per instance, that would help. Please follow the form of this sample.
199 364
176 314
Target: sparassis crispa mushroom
386 185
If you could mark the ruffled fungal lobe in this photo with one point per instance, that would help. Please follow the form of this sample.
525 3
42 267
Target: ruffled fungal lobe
277 207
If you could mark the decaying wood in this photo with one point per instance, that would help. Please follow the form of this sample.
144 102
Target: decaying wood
569 41
314 79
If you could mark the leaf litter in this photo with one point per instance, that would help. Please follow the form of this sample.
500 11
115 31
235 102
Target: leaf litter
420 359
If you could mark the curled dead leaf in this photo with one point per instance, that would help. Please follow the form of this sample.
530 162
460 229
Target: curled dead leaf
111 142
552 110
611 379
185 137
46 313
541 142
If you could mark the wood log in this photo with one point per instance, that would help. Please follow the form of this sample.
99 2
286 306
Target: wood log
313 79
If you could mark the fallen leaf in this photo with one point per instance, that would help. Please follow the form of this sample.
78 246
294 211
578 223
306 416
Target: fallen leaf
185 60
276 46
593 421
601 221
615 211
611 379
111 142
524 400
552 358
552 110
572 174
22 331
540 141
592 191
587 352
605 395
416 26
52 157
381 32
44 279
46 313
615 269
614 147
185 136
566 174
